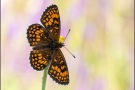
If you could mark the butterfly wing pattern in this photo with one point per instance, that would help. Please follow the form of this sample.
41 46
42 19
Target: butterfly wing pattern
36 34
46 46
58 69
51 20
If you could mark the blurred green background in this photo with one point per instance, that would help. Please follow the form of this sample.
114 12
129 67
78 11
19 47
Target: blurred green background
101 38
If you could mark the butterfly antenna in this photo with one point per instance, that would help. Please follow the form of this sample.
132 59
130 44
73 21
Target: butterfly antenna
70 52
67 35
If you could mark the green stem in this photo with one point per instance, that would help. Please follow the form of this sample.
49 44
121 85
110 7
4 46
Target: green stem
44 78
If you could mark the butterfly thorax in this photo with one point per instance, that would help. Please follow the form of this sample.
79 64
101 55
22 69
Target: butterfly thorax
54 45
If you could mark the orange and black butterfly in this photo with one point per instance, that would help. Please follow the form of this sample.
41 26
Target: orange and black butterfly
46 46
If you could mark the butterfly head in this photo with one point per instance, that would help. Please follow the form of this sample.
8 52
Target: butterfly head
61 39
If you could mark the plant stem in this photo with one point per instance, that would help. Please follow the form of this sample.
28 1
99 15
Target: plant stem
44 78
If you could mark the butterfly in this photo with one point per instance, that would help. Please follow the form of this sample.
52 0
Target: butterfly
46 46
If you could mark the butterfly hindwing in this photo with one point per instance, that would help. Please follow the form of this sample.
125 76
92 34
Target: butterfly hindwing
36 34
51 20
39 59
58 70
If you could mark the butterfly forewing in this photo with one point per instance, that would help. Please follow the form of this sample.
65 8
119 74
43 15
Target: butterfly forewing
39 59
51 20
58 70
36 34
